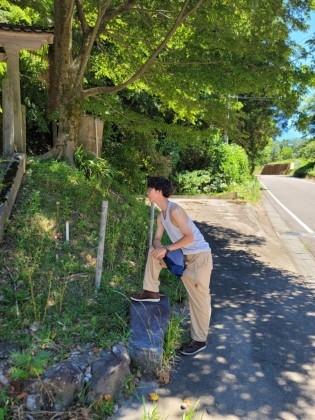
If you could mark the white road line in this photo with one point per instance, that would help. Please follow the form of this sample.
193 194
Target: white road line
287 210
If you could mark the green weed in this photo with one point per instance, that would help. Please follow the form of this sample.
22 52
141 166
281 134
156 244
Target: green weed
4 405
28 364
190 414
150 415
51 281
103 407
172 340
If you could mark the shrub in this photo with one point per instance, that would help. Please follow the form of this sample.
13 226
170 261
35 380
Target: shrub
234 167
194 182
228 165
305 170
308 151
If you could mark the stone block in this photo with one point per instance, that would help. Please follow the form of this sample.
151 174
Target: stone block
148 323
108 373
61 384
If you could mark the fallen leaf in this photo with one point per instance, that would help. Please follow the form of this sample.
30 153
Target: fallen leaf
164 377
153 397
22 396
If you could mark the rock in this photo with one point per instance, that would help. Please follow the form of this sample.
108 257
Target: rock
34 402
108 373
3 381
60 383
148 324
6 347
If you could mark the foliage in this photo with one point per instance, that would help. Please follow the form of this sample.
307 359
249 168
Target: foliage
256 126
226 165
195 182
103 407
91 165
172 340
248 190
306 170
28 364
51 280
308 151
144 48
4 405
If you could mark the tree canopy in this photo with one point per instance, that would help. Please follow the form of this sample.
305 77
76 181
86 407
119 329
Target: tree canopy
199 60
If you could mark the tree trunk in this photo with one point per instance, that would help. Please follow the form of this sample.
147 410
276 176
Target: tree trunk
66 96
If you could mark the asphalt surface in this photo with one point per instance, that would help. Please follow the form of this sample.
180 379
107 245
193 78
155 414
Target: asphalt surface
260 360
296 203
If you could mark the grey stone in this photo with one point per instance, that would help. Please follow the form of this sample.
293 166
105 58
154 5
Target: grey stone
108 373
34 402
6 347
148 323
3 380
80 361
60 383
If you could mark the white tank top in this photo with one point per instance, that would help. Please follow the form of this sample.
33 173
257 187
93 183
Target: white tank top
174 233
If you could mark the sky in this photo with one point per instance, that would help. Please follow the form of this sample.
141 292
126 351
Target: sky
299 37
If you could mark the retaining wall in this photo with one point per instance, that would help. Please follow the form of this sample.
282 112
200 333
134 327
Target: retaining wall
12 180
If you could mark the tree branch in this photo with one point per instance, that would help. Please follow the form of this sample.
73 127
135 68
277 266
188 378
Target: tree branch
116 12
84 25
89 38
179 20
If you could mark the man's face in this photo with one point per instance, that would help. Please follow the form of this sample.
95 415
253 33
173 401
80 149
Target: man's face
153 194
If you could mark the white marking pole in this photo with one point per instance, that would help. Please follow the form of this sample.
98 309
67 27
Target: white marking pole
151 224
101 243
67 231
304 226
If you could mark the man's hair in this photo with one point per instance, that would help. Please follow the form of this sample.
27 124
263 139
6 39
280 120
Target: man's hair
161 184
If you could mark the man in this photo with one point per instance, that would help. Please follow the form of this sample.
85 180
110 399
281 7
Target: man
184 234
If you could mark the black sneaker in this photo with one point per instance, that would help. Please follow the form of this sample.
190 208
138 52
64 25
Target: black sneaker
146 296
193 347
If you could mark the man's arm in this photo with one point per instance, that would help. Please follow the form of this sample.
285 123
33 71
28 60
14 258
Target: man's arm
159 251
179 218
158 234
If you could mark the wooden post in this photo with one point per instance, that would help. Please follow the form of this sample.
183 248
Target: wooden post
101 243
8 118
151 224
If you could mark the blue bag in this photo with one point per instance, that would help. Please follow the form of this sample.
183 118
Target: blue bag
174 261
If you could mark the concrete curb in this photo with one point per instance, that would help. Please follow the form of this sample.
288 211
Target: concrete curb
17 166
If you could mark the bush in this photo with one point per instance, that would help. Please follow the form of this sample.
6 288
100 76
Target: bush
308 151
195 182
234 166
228 165
306 170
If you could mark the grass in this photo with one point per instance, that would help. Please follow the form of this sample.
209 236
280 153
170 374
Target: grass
307 170
249 190
47 294
51 280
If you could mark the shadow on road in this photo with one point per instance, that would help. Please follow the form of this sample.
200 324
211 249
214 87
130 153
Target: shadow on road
260 360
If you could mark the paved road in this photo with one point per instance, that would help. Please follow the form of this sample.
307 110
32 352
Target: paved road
294 199
260 361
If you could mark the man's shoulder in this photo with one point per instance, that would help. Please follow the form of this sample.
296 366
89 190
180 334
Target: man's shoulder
177 211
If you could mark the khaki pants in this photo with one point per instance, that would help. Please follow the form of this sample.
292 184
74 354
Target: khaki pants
196 279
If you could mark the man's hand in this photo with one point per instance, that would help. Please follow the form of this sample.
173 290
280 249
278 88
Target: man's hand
159 253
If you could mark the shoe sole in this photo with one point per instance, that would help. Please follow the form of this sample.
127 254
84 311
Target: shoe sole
145 300
195 352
